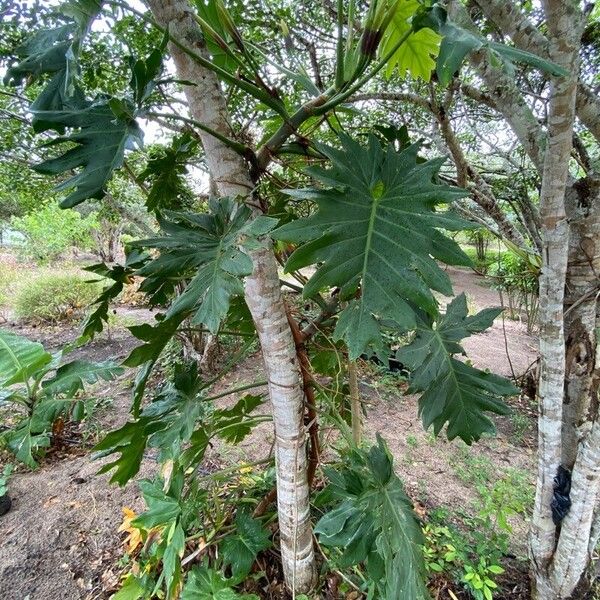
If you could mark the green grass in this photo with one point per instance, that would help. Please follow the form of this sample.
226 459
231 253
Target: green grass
8 279
51 297
471 468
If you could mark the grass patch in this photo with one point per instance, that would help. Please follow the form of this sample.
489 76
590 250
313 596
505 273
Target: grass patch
8 278
51 298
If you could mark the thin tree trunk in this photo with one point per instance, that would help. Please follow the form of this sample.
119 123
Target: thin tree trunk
356 413
263 296
564 25
581 425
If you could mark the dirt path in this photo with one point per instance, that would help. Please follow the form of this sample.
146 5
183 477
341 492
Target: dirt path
489 349
60 541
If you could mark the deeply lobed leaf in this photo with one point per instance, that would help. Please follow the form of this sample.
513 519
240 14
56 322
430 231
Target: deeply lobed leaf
376 227
374 524
100 143
240 549
453 392
205 248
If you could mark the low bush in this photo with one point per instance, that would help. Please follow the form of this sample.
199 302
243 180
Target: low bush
51 231
8 276
483 265
517 276
53 297
42 395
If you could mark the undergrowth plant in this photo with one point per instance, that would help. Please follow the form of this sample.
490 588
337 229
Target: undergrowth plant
44 393
53 297
5 475
450 553
516 274
50 232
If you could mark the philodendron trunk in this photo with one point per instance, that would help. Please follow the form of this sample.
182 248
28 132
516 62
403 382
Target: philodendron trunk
263 296
580 444
569 434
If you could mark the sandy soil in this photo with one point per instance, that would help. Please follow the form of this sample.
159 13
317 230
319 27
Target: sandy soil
60 540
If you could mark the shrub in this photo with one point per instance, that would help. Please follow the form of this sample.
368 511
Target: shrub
50 231
517 276
54 297
482 266
8 276
43 394
480 239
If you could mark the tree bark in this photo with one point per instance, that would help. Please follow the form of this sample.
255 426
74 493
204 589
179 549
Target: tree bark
511 21
263 296
564 25
581 425
581 314
569 290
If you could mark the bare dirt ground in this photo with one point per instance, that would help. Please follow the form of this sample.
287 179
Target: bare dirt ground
60 540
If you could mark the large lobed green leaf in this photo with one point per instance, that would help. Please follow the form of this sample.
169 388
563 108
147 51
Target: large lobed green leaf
53 53
20 358
374 524
202 252
205 583
452 391
164 511
27 439
204 248
377 229
100 139
241 548
178 422
166 423
45 53
418 52
72 377
235 423
25 364
100 130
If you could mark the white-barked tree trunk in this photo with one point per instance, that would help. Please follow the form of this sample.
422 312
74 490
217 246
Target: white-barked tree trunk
263 296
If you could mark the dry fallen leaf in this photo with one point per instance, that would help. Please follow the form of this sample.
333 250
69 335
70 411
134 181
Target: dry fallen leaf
134 535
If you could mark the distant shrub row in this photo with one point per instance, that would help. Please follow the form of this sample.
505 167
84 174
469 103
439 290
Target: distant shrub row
50 231
51 297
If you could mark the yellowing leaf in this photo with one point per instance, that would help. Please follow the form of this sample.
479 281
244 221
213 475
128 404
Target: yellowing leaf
416 55
134 535
167 473
405 10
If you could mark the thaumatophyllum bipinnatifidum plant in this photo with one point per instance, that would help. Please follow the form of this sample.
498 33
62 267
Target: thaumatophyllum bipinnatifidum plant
372 234
43 389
